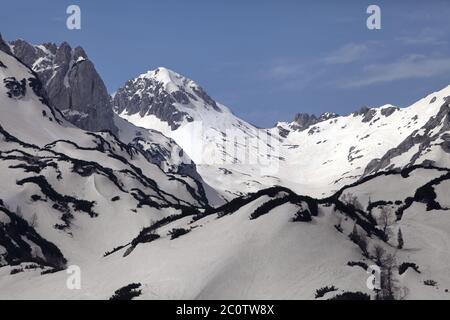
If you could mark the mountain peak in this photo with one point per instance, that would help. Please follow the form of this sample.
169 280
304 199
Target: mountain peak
75 88
305 120
171 80
167 95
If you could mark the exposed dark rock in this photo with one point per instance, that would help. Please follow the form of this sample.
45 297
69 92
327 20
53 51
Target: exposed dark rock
361 112
71 82
423 140
283 132
146 95
4 46
369 115
388 111
303 120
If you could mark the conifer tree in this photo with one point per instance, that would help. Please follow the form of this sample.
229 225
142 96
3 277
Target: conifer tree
400 241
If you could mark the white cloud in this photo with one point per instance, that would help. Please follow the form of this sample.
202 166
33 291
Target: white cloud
287 70
411 67
427 36
346 54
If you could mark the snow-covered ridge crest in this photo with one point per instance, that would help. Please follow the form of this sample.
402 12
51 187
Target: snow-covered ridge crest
171 80
166 94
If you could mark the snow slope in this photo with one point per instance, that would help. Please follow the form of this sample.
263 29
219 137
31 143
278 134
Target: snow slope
79 187
136 211
253 248
210 134
315 156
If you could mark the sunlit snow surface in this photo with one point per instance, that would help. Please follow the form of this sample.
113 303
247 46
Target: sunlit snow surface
223 256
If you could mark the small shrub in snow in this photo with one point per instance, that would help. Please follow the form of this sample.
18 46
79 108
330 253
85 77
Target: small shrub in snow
351 296
360 240
400 241
302 216
324 290
430 283
358 263
405 265
145 236
177 232
107 253
352 201
36 197
386 219
15 271
338 225
51 270
128 292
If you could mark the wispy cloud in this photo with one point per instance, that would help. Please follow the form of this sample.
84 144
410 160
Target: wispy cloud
296 74
287 69
410 67
427 36
347 54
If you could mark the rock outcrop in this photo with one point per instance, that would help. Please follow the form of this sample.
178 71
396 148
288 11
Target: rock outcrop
71 82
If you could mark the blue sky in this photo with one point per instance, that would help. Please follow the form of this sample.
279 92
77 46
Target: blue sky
266 60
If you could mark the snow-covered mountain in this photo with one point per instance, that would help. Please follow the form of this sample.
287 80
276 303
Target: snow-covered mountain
313 205
428 145
74 188
331 153
217 140
311 155
72 85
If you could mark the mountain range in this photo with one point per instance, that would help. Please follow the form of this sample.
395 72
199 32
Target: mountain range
161 192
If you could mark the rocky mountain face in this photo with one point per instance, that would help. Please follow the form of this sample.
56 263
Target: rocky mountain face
303 121
164 94
324 152
4 46
223 146
64 189
91 107
71 82
132 211
428 145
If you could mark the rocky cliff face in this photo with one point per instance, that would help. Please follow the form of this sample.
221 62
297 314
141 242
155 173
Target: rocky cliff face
71 82
165 94
303 121
4 46
426 146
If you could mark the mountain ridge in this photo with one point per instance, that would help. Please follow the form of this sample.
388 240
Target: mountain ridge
133 207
